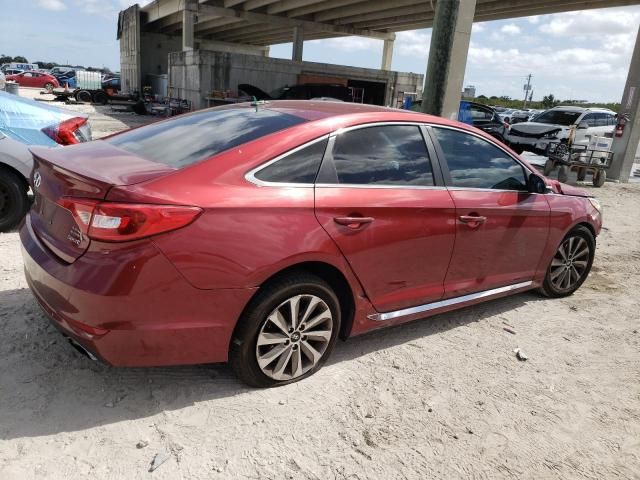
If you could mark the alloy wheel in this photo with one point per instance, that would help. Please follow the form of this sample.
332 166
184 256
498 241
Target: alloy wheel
294 337
570 263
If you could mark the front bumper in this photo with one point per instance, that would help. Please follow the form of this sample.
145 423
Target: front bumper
128 305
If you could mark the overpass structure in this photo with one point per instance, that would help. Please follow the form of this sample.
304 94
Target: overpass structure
252 25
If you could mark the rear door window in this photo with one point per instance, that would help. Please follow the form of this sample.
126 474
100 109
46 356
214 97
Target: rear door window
384 155
193 137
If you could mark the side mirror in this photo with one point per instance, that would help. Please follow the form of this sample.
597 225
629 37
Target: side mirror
583 126
536 184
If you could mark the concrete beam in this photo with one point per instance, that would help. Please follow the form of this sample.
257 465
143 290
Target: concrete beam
298 44
317 7
448 57
362 9
290 22
188 24
387 55
625 147
285 5
253 4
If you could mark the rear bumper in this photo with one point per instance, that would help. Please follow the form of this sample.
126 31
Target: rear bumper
128 305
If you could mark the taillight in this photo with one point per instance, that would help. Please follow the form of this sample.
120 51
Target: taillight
67 132
120 222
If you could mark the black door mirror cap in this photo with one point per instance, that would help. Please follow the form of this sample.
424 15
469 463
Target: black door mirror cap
536 184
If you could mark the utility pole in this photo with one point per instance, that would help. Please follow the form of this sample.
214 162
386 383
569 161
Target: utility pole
527 87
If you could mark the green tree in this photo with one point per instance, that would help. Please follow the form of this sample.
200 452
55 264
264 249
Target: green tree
549 101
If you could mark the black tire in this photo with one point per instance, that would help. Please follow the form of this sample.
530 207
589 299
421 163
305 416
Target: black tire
14 201
100 97
563 174
582 174
549 165
548 289
84 96
599 178
48 87
242 351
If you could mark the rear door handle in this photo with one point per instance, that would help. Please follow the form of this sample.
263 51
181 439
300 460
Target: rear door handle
472 221
353 222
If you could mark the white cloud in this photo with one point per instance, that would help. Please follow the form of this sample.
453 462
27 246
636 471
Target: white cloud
413 43
351 44
534 20
55 5
591 23
510 29
477 28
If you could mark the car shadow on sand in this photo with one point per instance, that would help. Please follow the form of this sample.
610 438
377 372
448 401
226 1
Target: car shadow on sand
48 387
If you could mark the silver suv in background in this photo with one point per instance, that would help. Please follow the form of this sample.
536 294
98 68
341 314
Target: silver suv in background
555 125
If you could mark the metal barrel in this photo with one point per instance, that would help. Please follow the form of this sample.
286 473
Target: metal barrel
12 87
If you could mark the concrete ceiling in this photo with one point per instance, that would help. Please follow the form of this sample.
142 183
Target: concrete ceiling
269 22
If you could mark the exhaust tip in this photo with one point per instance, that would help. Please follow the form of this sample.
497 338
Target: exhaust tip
82 350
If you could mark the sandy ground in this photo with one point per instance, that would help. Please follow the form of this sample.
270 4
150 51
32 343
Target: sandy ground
441 398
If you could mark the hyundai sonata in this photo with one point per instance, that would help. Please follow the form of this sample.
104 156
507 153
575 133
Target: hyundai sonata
260 233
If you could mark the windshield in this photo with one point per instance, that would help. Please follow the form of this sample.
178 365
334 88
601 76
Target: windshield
193 137
558 117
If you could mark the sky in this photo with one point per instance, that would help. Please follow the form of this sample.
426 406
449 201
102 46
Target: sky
578 55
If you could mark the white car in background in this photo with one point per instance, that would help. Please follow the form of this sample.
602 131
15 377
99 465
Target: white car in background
555 125
3 82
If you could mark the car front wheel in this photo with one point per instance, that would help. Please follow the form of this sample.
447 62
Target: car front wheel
287 332
571 264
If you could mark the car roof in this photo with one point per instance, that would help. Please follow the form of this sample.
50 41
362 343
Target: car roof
572 108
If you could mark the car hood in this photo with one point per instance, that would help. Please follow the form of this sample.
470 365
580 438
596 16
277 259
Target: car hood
534 129
564 189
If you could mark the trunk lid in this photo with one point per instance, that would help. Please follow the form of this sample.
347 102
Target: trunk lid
86 171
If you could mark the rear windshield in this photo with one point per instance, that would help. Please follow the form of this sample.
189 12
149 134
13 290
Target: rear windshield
558 117
194 137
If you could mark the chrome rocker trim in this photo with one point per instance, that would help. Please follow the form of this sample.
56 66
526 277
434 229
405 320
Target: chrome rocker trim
381 317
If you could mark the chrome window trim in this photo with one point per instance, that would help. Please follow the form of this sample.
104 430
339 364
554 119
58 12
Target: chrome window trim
342 130
363 185
407 312
250 176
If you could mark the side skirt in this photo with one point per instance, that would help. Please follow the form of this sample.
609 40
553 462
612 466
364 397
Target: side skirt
427 307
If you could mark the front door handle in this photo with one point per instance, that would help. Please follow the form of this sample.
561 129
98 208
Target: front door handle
472 221
353 222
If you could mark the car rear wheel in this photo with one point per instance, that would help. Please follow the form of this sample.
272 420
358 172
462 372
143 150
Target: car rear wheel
14 202
571 264
287 332
100 97
84 96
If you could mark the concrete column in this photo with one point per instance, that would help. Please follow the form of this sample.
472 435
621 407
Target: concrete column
625 148
450 39
188 24
387 54
298 43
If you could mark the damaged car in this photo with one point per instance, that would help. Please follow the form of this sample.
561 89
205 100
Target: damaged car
555 125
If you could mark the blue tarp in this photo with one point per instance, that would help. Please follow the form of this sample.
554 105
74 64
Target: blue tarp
23 119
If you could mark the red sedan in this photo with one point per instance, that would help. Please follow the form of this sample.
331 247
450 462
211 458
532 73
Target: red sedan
260 233
35 80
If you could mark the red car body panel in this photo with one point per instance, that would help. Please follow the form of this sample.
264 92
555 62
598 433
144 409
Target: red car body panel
34 79
503 250
175 298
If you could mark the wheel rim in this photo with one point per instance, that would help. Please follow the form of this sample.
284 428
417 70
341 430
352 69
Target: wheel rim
570 263
294 337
